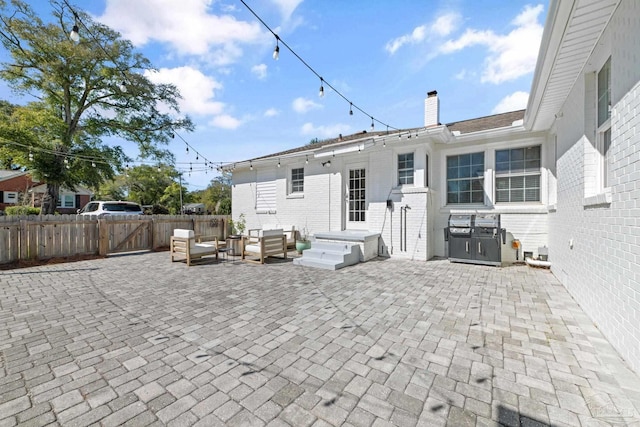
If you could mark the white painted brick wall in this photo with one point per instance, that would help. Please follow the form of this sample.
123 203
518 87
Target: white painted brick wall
602 270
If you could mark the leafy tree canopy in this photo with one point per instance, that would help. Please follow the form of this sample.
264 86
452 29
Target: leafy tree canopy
85 91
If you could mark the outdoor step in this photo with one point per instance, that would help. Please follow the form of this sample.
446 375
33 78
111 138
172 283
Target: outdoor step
319 263
314 253
331 246
329 255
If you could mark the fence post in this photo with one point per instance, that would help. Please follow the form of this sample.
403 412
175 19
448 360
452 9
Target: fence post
23 241
103 237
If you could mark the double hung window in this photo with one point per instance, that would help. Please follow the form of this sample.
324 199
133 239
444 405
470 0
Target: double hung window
465 178
518 175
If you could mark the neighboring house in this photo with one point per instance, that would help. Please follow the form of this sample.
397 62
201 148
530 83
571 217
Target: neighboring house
14 184
565 173
68 202
194 208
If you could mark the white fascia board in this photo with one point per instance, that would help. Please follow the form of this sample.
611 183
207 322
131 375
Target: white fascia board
558 14
489 133
344 148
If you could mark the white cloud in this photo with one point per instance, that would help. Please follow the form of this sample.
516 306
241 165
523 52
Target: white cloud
515 101
271 112
445 24
197 90
442 26
260 71
511 55
188 27
226 121
287 7
324 131
302 105
460 75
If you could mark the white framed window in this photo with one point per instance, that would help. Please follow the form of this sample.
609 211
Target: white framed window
10 197
405 169
604 124
296 183
465 178
518 175
67 201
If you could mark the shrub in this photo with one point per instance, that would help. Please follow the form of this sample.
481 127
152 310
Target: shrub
22 210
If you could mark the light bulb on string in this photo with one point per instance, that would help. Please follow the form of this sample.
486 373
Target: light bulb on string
372 124
93 164
321 92
306 162
351 109
74 35
250 166
276 50
278 162
123 86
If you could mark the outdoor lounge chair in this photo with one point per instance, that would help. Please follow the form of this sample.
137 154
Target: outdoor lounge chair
184 246
272 242
288 230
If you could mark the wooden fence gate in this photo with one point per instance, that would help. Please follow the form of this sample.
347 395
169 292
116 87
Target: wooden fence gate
53 236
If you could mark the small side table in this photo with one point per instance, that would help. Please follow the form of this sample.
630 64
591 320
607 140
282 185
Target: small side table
225 251
234 244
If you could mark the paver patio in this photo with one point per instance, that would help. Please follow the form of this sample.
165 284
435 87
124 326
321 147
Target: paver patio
137 340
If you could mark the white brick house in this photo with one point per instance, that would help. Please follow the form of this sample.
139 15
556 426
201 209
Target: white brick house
565 173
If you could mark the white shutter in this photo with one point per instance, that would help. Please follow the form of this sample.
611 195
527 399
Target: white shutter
266 192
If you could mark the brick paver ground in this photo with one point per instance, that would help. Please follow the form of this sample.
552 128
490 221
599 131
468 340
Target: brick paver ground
137 340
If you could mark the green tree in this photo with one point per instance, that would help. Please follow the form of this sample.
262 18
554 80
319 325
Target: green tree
146 184
217 195
87 90
172 195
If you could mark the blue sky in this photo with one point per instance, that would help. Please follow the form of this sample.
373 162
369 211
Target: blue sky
384 56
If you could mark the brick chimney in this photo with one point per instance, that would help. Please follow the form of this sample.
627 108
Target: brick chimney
432 109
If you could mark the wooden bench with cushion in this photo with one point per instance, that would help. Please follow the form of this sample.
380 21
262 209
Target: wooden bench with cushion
184 246
272 242
288 230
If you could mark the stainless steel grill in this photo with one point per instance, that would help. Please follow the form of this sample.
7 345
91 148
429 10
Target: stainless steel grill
475 239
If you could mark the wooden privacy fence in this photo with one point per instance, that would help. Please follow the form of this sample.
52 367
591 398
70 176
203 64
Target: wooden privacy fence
51 236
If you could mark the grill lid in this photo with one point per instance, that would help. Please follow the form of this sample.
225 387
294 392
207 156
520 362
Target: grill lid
488 221
460 221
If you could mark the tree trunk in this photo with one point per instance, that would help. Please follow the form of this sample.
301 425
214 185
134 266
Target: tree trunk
50 199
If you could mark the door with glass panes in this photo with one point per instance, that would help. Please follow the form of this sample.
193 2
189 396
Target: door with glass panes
356 198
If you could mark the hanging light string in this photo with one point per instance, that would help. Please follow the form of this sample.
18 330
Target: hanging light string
323 82
75 36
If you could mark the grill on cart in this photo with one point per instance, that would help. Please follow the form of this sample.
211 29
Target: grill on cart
475 239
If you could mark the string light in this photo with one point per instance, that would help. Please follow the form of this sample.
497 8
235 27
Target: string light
74 35
372 124
278 162
276 51
306 162
351 109
279 40
250 165
321 93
